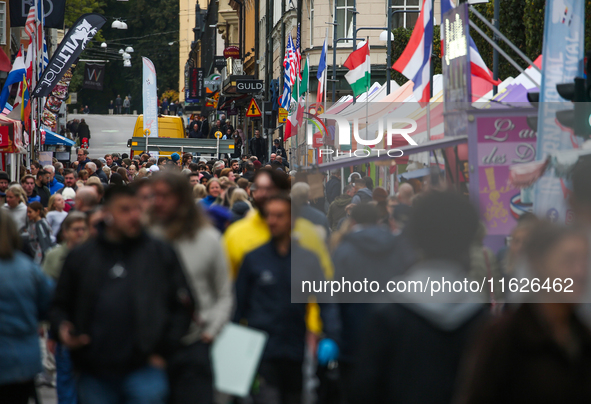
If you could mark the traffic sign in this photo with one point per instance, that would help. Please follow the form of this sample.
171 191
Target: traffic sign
218 134
282 115
253 110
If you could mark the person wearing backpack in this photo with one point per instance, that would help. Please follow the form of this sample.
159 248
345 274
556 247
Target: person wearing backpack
362 193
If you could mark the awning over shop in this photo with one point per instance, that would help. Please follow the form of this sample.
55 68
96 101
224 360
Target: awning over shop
424 147
54 138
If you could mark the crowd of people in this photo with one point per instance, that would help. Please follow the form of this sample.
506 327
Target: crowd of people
129 268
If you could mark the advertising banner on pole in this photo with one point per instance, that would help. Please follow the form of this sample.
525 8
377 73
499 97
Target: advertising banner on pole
562 52
94 75
69 49
150 98
54 11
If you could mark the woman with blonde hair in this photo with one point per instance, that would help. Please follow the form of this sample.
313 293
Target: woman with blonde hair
16 205
56 213
199 192
214 190
239 204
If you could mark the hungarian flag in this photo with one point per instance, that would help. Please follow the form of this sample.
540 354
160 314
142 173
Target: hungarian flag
359 65
305 79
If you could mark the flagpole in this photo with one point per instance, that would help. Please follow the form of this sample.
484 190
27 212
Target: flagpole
306 110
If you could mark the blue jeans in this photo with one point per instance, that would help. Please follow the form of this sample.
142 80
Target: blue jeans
147 385
65 381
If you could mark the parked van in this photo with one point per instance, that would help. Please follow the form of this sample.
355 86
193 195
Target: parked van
168 126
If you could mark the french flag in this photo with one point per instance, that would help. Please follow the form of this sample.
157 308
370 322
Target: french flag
415 61
321 74
16 75
477 66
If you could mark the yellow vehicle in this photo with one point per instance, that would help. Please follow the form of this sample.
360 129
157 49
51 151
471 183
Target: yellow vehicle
168 126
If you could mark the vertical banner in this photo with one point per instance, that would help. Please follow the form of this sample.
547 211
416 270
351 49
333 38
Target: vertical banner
457 94
150 98
562 62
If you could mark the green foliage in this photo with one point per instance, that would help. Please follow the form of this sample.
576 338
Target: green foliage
75 8
533 20
152 25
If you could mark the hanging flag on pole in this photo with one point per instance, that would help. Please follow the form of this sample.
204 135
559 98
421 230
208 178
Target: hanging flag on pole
305 79
298 53
290 74
16 75
149 98
415 61
477 66
321 75
359 65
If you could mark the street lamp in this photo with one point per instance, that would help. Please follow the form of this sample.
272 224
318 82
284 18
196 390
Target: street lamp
104 45
121 51
384 36
129 49
126 56
127 63
118 25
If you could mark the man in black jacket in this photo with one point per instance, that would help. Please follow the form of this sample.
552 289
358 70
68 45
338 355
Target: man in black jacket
333 186
258 147
121 306
264 291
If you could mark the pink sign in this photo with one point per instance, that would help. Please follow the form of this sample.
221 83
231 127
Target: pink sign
502 142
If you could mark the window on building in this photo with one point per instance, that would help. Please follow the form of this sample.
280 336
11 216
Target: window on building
2 22
345 19
405 20
311 23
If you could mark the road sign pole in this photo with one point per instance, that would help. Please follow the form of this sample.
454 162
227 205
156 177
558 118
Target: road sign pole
218 147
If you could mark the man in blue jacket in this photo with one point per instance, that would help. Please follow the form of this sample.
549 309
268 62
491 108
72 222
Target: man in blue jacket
264 291
54 185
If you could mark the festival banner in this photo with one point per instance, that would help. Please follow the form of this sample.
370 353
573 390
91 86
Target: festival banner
150 98
562 61
68 52
54 11
94 75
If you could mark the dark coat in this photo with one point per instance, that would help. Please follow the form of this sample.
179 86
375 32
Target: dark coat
336 210
516 360
258 147
160 299
407 358
333 188
263 298
83 130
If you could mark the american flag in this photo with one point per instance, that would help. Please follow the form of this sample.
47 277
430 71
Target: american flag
290 61
30 23
298 53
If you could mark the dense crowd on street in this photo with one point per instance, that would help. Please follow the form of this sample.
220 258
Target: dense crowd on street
118 273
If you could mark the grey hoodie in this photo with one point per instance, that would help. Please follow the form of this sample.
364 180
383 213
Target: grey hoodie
447 311
18 214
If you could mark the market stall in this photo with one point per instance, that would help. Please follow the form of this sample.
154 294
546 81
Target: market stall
59 146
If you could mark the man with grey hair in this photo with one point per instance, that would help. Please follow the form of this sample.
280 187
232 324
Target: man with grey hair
53 184
218 166
59 171
86 198
300 195
153 160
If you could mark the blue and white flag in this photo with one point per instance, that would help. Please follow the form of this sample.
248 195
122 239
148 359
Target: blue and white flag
150 98
563 51
321 74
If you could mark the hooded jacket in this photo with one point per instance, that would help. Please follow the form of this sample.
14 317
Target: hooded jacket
336 210
147 315
371 253
411 352
364 195
18 214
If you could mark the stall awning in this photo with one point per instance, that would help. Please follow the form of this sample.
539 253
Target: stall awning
410 149
54 138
